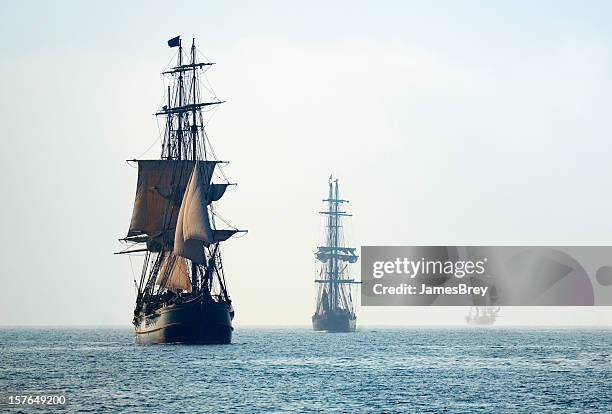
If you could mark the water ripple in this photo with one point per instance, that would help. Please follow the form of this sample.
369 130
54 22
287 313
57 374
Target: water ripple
296 370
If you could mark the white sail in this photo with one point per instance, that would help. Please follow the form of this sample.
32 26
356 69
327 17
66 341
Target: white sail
174 274
193 229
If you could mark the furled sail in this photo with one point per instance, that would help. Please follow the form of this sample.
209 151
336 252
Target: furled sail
346 254
174 274
160 189
193 229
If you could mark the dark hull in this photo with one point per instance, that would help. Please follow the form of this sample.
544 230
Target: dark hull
334 322
193 322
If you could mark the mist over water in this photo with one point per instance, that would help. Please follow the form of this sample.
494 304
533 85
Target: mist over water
373 370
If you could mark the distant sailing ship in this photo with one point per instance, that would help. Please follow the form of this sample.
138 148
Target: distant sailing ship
482 315
182 295
484 311
335 310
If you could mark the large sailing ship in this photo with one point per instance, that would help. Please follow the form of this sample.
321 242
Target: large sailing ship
334 309
182 294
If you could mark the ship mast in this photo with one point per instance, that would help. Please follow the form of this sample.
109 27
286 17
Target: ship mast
180 102
332 237
194 153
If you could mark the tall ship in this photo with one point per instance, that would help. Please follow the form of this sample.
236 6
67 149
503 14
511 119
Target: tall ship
182 294
482 315
335 310
484 310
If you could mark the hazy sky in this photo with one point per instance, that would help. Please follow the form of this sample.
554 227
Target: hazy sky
473 122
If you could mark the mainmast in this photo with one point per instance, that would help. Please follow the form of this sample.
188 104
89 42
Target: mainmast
194 139
180 102
194 125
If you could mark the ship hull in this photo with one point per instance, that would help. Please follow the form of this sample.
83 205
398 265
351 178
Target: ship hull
480 321
334 322
193 322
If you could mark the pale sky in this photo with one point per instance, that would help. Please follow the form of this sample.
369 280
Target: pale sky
473 122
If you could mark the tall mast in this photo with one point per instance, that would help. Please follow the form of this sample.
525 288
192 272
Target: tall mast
194 126
330 224
180 102
194 153
334 260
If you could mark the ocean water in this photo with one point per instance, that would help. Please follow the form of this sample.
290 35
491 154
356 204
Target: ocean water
467 370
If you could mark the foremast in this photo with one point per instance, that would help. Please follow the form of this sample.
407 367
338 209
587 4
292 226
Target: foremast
334 282
174 216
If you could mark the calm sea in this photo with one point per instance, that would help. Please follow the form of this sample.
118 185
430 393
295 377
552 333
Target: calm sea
488 370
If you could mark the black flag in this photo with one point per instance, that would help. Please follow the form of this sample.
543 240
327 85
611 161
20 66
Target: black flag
174 42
